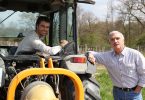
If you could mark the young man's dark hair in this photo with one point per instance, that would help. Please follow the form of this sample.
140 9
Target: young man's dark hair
40 19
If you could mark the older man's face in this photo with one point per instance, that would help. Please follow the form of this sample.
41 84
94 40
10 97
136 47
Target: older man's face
117 41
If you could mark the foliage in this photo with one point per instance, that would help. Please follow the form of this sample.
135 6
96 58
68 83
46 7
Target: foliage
130 21
141 40
97 36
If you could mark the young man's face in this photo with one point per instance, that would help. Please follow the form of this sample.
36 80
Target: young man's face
117 41
43 28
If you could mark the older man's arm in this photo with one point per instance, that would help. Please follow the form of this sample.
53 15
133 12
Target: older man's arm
140 62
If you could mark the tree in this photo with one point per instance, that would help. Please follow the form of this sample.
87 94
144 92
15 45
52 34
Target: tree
131 12
89 19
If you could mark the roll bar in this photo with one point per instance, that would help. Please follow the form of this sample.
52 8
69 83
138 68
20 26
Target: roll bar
79 91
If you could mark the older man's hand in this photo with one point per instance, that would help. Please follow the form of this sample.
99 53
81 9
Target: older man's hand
91 58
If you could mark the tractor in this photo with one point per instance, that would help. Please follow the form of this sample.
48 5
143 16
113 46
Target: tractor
67 75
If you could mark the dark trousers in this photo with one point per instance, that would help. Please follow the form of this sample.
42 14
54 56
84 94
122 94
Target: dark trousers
126 95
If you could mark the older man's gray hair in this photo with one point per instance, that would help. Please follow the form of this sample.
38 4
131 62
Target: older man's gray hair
115 32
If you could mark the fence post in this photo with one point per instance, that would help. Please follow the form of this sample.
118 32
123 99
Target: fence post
86 47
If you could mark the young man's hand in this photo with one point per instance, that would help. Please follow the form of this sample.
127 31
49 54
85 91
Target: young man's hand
63 43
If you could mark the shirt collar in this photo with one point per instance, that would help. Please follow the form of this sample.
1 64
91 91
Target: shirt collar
36 34
39 36
122 53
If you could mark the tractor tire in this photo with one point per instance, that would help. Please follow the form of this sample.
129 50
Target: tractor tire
91 89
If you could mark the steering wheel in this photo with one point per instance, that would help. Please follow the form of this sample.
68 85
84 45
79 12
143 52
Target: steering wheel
68 49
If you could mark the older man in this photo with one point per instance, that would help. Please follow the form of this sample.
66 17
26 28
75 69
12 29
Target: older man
125 66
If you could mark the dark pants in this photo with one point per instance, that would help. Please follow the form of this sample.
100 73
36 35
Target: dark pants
126 95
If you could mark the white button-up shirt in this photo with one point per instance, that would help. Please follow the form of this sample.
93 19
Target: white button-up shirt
33 43
126 70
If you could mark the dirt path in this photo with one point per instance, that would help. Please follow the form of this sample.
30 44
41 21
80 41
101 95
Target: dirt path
99 67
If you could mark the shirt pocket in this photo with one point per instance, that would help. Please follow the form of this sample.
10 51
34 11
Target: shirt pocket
130 69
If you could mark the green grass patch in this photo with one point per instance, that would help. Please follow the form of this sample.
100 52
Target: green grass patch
106 84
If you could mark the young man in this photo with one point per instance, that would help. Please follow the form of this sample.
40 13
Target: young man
125 66
33 43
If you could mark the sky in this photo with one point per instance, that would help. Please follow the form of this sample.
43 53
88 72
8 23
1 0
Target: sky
99 9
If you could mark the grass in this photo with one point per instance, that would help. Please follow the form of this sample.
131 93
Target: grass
106 84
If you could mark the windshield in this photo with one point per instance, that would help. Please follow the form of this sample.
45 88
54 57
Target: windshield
62 26
16 24
19 24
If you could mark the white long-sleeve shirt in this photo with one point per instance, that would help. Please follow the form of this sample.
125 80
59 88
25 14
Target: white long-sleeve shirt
33 43
126 70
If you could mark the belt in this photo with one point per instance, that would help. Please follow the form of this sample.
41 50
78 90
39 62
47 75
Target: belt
126 89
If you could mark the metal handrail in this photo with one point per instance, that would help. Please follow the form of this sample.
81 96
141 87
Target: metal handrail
79 91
